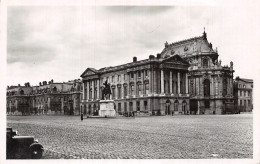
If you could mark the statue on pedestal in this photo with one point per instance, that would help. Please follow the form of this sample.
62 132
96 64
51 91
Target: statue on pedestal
106 91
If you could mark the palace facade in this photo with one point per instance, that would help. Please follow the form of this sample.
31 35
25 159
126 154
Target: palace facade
243 93
47 98
185 78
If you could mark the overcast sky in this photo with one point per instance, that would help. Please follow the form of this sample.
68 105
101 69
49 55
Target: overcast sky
59 43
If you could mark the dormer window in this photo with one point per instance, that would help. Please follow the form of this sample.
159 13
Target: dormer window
205 63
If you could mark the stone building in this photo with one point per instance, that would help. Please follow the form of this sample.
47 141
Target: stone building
243 93
47 98
210 83
155 86
186 77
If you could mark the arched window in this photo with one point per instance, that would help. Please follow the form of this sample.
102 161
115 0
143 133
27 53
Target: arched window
176 104
206 87
205 63
21 92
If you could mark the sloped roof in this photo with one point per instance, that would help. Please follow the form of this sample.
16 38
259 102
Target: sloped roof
188 46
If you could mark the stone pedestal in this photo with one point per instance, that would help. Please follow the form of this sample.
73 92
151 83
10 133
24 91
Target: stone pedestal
107 108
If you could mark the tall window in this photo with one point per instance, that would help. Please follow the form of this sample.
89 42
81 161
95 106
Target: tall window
145 73
139 74
191 86
139 89
119 78
113 79
224 86
241 103
146 88
130 106
206 87
145 105
206 104
244 102
176 104
138 105
113 93
119 92
205 63
132 75
125 91
132 90
119 108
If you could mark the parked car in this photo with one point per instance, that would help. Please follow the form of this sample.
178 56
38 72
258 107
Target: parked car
22 147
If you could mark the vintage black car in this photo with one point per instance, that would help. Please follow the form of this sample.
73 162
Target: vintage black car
22 147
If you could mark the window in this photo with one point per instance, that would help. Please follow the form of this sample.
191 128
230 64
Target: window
119 92
241 103
138 105
249 93
130 106
119 108
132 90
242 92
184 106
249 103
145 105
124 76
125 91
206 87
224 86
205 62
139 74
244 86
132 75
245 94
125 107
239 86
146 88
245 103
206 104
119 78
145 73
113 79
113 93
176 104
139 89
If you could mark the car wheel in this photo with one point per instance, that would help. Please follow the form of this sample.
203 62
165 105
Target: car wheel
36 153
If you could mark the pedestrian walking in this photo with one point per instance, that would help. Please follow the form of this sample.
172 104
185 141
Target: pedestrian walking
81 116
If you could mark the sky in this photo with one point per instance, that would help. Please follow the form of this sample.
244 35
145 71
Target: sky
60 42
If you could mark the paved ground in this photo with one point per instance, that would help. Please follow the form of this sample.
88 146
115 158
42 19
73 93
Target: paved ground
156 137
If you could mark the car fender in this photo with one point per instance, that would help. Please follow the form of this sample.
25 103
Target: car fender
36 145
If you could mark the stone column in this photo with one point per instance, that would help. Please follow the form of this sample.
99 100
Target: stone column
171 82
98 89
179 83
198 112
135 88
187 83
83 85
87 90
93 89
150 81
116 92
162 81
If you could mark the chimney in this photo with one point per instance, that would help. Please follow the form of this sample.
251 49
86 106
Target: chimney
151 56
134 59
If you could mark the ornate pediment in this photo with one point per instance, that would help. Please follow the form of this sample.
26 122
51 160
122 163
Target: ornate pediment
176 59
88 72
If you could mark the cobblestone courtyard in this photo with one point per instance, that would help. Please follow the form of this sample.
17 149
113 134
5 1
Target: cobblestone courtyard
158 137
